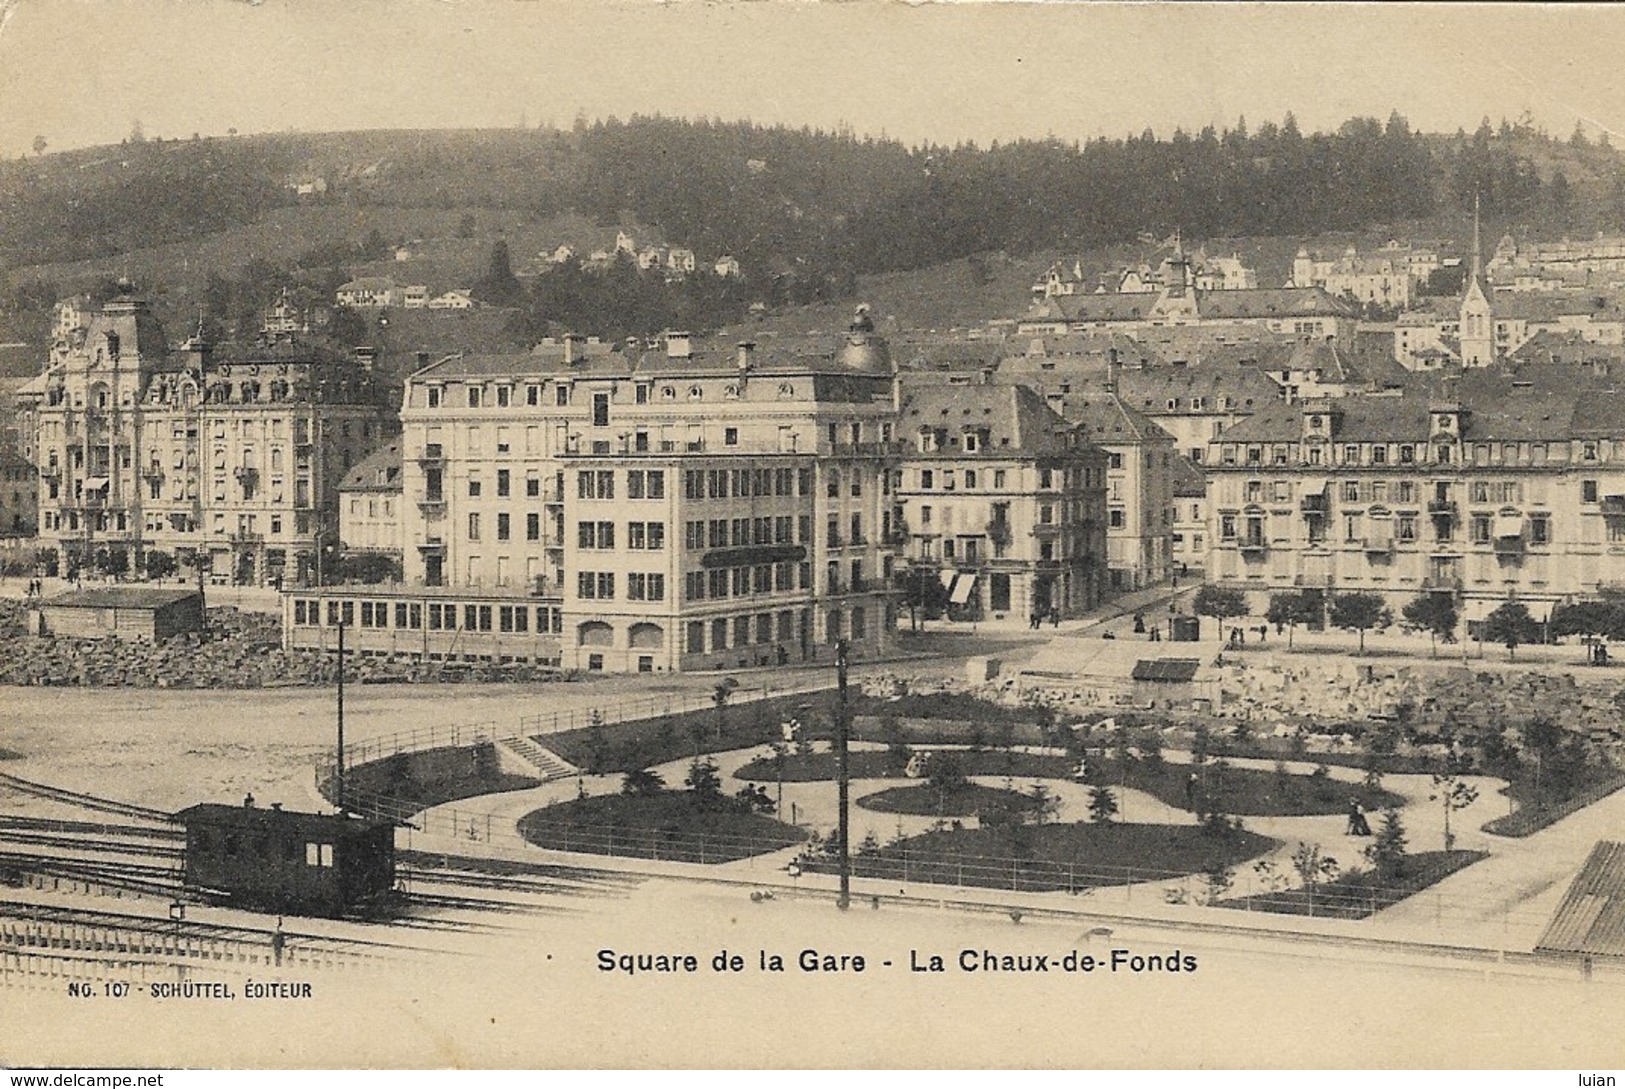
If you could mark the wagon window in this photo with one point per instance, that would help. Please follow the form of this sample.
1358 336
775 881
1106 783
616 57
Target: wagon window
319 855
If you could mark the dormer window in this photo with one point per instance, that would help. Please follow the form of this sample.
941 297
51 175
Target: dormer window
1588 451
112 346
1444 423
1314 423
695 393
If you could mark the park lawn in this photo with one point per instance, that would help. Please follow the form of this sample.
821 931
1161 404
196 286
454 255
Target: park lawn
406 783
646 742
1534 813
964 800
1247 792
876 764
1051 857
1242 792
1361 895
668 825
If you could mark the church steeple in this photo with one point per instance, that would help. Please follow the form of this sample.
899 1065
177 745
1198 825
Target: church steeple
1477 319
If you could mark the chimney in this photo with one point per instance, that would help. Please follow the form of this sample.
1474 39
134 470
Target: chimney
570 349
677 345
366 355
423 359
745 354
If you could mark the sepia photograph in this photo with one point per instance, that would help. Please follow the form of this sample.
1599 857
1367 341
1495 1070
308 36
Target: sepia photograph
785 535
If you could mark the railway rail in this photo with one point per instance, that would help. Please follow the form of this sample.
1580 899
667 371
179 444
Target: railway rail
84 801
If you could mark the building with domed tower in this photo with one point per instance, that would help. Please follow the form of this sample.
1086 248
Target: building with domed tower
639 510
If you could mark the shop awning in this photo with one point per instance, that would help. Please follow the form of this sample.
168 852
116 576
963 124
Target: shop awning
96 483
963 588
947 575
1508 525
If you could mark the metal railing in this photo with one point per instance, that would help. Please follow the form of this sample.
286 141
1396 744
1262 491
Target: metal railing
457 735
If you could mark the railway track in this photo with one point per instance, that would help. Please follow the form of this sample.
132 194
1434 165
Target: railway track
81 800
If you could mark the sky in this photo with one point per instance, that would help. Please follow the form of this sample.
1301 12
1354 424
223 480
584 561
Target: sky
81 72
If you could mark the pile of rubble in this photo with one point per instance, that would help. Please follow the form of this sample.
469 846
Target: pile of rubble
1324 696
235 650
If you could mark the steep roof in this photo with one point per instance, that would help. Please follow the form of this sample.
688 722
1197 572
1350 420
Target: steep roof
1189 481
1499 408
379 471
1017 418
1150 390
1272 302
1109 421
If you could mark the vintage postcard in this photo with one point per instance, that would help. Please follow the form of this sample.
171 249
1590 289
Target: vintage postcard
793 535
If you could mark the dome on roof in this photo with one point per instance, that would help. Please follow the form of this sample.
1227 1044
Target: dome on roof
864 350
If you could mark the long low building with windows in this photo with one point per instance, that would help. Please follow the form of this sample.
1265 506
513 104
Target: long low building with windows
1508 487
437 623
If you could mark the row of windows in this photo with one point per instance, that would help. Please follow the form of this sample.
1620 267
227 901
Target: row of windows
743 631
435 616
1407 491
505 396
640 586
640 536
317 855
746 483
1481 529
738 532
1410 453
640 484
504 524
763 578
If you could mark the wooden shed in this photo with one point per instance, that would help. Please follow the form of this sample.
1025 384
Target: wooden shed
123 612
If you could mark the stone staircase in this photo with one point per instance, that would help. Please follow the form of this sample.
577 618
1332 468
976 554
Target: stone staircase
538 761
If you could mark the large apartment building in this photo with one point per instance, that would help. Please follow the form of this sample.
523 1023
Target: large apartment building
667 510
1002 500
1505 487
227 460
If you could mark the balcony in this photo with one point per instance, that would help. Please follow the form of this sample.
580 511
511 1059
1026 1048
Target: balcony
1451 583
1509 546
247 474
1378 546
432 546
1442 508
1613 506
1253 545
432 503
247 538
432 456
1314 504
1313 582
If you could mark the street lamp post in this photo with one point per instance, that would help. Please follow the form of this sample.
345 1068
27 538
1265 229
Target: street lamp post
843 776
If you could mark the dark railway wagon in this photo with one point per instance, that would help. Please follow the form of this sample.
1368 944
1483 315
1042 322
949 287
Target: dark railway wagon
296 863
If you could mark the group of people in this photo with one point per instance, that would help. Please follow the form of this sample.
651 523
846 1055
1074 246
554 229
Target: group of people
1039 616
1358 825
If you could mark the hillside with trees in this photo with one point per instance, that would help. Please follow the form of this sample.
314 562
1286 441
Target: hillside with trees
805 212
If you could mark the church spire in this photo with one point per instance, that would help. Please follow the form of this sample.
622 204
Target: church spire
1475 235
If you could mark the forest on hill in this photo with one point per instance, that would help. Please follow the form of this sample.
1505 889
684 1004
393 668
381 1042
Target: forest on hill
806 211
